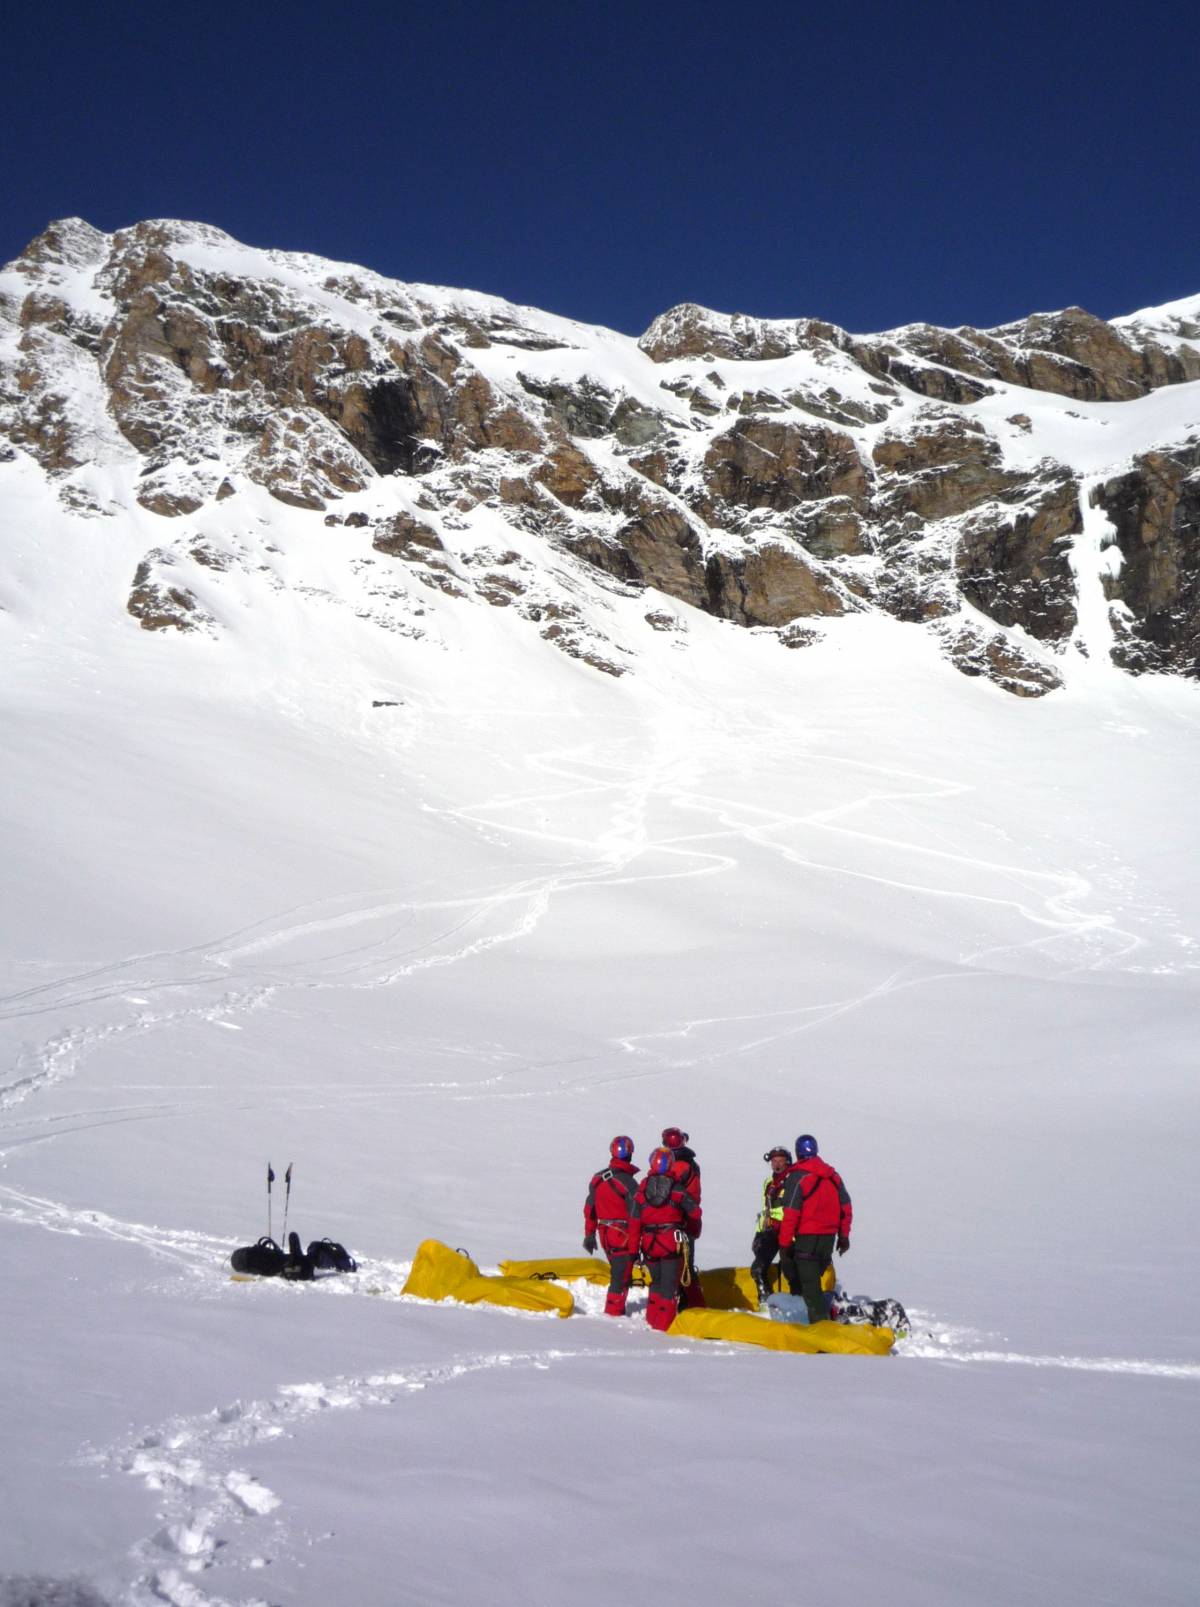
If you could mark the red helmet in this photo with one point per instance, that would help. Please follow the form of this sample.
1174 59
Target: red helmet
621 1148
661 1161
674 1137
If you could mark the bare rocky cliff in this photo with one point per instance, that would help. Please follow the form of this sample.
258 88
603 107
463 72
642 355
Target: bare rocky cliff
776 474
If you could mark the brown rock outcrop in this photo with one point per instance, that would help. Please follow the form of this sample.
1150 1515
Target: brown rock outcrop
1155 512
692 331
159 602
766 463
1014 565
769 585
939 470
402 536
999 659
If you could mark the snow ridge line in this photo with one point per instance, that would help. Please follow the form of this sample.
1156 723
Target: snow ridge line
60 1058
192 1464
186 1247
1132 1366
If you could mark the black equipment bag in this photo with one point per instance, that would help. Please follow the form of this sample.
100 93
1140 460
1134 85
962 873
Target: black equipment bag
264 1259
327 1255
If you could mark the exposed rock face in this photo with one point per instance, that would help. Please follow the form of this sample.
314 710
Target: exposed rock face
998 658
1013 564
1155 511
938 470
770 585
691 331
764 463
158 599
403 536
765 471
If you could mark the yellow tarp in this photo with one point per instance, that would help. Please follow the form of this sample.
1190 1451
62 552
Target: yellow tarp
594 1268
733 1289
440 1273
725 1288
566 1267
848 1339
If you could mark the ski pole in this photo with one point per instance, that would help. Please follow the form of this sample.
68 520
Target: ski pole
270 1180
287 1198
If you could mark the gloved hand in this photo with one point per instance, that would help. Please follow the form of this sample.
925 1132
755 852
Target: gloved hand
589 1243
843 1244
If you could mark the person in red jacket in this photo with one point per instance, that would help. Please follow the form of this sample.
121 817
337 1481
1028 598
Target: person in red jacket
685 1169
609 1200
817 1214
663 1212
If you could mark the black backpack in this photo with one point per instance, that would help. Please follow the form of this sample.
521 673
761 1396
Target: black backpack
264 1259
326 1255
658 1189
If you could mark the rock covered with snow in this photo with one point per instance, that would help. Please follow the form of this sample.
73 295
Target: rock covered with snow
763 471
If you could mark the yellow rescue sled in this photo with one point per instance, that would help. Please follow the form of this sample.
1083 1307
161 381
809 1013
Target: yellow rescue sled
745 1328
440 1273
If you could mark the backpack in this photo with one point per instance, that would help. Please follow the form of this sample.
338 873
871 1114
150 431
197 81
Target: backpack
658 1189
327 1255
264 1259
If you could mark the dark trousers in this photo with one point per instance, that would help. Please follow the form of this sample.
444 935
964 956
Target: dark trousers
803 1262
764 1249
664 1290
619 1279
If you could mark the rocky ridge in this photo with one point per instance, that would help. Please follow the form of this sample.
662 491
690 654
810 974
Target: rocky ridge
775 474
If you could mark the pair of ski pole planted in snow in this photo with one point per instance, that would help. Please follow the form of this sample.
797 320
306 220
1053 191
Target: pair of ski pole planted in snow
287 1198
289 1260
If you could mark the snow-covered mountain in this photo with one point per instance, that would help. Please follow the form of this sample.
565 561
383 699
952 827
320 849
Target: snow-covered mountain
403 772
1025 495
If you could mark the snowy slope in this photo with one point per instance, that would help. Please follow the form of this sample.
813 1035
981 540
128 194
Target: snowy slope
372 877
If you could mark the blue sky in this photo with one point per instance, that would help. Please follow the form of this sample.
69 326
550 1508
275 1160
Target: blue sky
869 164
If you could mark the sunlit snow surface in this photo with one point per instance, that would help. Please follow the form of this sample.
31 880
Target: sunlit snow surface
437 953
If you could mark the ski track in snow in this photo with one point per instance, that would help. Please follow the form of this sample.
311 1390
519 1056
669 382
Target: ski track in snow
515 910
214 1507
1050 901
206 1255
61 1056
197 1468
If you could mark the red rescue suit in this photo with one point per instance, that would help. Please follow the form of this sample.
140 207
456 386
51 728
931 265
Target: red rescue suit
815 1201
686 1172
607 1207
661 1229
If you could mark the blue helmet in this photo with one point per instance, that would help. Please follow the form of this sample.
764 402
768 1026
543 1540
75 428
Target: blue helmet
660 1162
621 1148
806 1147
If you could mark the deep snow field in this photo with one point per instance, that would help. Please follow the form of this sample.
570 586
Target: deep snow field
437 954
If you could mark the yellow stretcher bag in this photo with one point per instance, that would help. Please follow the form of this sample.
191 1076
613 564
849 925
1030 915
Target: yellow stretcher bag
440 1273
734 1289
566 1268
743 1328
725 1288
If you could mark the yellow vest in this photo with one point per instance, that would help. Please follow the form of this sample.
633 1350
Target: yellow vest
771 1215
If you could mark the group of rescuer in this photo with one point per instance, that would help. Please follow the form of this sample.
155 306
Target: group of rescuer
806 1214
